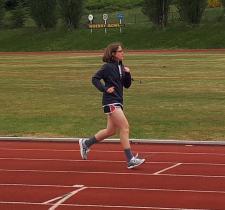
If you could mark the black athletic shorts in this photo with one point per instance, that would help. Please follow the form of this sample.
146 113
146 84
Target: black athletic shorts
110 108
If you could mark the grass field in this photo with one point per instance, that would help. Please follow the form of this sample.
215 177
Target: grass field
173 96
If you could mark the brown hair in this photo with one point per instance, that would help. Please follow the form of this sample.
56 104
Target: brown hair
110 51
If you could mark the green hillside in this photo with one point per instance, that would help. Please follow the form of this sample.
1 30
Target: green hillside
138 33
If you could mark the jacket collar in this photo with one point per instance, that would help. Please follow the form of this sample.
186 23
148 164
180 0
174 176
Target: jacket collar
117 62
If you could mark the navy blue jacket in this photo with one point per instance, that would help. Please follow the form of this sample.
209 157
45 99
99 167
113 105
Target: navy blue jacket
111 76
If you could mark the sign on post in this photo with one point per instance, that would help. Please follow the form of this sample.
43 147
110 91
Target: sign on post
90 18
106 24
105 18
120 16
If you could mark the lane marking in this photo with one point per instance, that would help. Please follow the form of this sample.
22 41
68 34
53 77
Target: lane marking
113 151
102 206
166 169
107 161
111 173
63 160
63 198
54 199
110 188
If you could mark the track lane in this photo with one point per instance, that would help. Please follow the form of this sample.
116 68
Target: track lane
157 156
114 146
107 196
203 185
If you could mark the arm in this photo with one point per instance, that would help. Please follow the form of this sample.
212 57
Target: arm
96 79
127 78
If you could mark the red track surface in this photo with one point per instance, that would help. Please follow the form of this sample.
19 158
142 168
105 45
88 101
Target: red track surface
44 175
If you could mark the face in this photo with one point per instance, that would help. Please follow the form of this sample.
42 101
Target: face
119 54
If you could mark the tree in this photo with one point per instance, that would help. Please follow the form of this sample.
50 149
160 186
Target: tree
2 12
18 16
157 11
44 13
223 2
191 11
71 12
10 4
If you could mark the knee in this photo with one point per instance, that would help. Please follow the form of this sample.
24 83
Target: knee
111 132
125 129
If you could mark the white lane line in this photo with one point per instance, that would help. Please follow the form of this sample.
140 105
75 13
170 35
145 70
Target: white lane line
39 185
110 188
110 173
106 161
54 199
166 169
112 151
63 160
110 161
63 198
102 206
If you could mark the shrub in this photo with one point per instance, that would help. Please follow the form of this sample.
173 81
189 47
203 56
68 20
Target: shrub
71 12
2 12
44 13
157 11
18 16
191 11
223 3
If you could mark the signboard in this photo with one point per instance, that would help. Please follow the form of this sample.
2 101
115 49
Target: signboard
109 25
90 18
106 25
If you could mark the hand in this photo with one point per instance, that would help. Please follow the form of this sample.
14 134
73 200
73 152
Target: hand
126 69
110 90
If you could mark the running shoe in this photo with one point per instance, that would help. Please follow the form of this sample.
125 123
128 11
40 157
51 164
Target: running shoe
134 162
83 149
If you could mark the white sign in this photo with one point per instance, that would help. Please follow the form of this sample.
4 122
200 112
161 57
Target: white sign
90 17
105 17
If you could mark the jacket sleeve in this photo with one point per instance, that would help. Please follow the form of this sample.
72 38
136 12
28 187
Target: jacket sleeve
96 79
127 80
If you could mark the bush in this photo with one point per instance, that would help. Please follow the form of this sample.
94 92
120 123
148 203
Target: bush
157 11
191 11
18 16
44 13
2 12
223 3
112 5
71 12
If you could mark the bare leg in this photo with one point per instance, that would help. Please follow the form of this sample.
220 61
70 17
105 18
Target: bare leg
120 121
109 131
115 120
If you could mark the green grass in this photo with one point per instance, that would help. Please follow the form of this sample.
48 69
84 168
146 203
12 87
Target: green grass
173 96
143 37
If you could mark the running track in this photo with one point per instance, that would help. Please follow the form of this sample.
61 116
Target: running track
51 175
